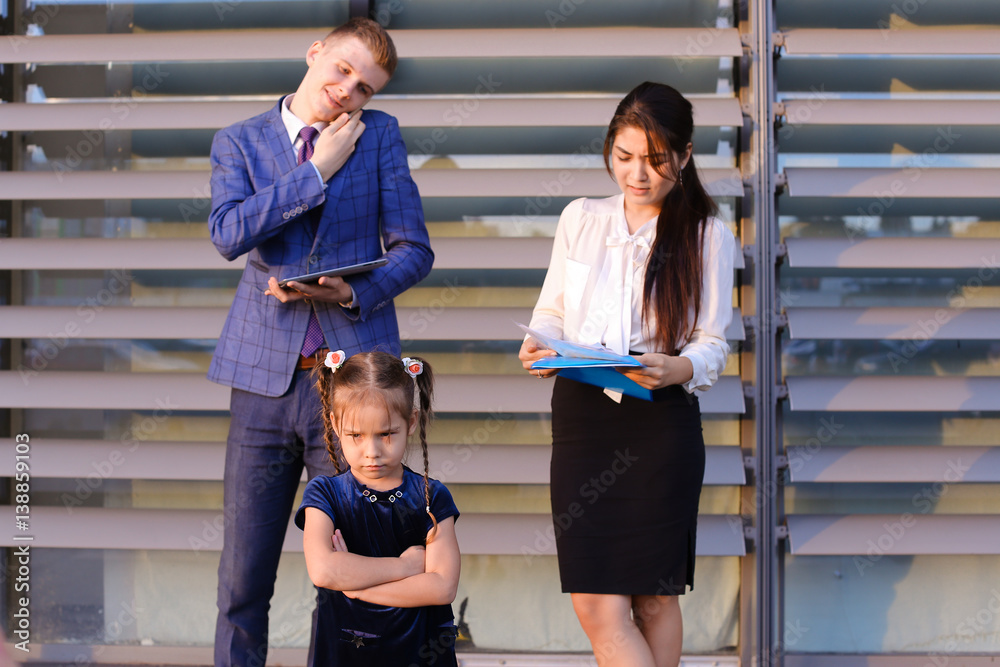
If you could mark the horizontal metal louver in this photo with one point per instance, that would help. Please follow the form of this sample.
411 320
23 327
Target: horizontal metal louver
199 254
893 323
27 388
893 253
204 461
479 534
492 111
894 393
276 45
194 185
980 41
890 184
906 535
894 463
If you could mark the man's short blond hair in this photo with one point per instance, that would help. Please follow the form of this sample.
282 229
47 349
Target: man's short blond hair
374 37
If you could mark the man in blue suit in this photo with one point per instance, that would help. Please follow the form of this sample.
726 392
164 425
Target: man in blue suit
313 184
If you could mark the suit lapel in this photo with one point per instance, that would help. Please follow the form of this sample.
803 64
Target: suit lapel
276 137
334 188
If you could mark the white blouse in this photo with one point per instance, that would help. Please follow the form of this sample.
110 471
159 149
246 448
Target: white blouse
592 292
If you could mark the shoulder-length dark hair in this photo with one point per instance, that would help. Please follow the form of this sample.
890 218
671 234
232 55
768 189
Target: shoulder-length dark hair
672 290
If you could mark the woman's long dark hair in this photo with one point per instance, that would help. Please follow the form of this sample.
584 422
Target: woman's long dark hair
672 291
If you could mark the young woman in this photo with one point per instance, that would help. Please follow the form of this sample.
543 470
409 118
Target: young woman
648 272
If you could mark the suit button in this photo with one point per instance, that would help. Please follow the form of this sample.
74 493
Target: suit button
305 208
285 215
313 259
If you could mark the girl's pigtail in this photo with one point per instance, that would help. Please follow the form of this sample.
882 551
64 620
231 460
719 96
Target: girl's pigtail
425 392
324 384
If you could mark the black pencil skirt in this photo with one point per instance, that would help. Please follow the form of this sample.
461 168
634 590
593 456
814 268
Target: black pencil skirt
625 484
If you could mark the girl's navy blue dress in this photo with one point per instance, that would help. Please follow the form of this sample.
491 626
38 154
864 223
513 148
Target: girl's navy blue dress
379 524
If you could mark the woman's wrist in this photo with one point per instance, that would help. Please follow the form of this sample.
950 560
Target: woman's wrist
683 370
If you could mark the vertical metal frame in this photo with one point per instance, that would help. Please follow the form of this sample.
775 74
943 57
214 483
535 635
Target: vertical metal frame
11 90
11 158
761 593
761 596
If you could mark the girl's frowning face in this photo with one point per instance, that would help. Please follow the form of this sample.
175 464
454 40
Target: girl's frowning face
373 440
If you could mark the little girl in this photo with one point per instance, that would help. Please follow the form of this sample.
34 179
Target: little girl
379 539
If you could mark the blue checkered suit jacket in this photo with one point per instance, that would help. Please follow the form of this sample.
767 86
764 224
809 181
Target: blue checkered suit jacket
263 204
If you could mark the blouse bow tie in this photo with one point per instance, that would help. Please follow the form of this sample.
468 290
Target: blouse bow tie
618 282
639 246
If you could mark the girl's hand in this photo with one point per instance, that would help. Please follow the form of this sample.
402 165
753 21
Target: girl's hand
659 370
530 353
414 558
340 545
338 541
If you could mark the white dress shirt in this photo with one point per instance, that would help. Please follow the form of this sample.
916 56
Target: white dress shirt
592 292
294 125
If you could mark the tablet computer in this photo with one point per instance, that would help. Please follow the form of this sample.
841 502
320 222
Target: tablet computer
339 271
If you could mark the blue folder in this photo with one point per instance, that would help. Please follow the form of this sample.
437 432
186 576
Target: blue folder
597 372
590 364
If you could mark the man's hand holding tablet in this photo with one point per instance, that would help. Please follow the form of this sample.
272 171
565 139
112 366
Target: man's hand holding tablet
328 285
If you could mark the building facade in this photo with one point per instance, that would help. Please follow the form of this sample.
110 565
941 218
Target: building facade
851 501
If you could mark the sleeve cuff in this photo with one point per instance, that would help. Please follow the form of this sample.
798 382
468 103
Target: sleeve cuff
700 379
350 304
319 176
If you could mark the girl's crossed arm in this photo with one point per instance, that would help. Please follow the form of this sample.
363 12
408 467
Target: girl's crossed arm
436 585
340 570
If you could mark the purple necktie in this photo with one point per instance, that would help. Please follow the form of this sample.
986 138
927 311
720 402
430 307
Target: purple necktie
314 334
308 135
